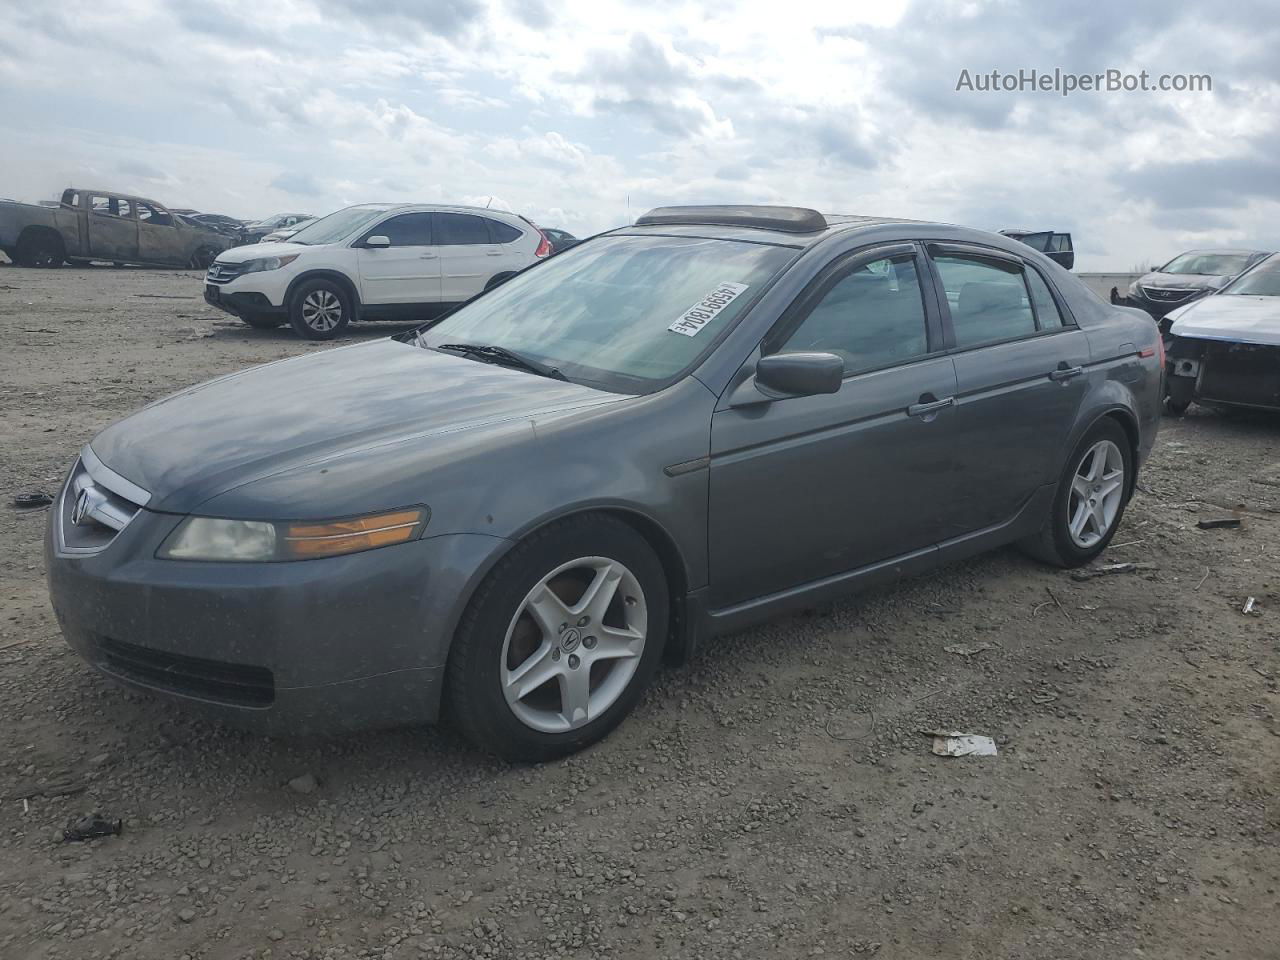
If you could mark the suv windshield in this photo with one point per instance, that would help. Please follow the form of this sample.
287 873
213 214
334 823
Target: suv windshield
1262 281
340 225
1207 264
624 313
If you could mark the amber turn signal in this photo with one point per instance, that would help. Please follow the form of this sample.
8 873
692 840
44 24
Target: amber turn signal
305 541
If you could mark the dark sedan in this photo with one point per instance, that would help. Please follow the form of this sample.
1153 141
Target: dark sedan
1187 277
670 431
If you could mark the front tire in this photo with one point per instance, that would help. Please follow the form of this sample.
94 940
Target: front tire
1089 503
559 640
320 309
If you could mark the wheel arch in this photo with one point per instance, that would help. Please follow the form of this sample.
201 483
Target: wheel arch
1128 422
40 231
337 276
498 279
674 565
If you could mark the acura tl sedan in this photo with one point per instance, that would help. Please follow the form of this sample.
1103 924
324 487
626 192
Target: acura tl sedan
676 429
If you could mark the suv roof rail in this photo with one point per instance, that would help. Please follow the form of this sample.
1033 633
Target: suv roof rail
784 219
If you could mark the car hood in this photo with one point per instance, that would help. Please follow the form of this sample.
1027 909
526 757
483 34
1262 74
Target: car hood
1233 317
254 251
211 438
1182 281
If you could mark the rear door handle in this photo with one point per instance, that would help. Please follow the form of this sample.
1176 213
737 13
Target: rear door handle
926 407
494 253
1064 373
427 256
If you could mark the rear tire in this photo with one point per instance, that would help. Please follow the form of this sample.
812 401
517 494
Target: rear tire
40 249
1176 407
1087 508
579 611
202 258
320 309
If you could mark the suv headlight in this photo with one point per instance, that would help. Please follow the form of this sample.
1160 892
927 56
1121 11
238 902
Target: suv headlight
267 263
247 541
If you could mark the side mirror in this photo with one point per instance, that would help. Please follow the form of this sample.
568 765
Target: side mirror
378 241
800 374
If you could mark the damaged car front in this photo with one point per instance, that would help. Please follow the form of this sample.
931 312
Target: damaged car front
1188 277
1224 350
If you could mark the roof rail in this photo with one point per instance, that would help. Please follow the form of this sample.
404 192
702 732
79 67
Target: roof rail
784 219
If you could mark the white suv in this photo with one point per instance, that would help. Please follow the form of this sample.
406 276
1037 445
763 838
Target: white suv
374 261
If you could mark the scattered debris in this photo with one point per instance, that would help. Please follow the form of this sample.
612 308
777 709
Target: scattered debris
1249 605
1127 543
1057 603
1219 523
1203 579
305 784
952 743
1044 698
1088 573
30 501
90 828
961 650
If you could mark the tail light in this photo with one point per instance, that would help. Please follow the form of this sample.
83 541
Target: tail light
544 245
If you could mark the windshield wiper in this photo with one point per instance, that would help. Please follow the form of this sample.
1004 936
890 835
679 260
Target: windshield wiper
501 355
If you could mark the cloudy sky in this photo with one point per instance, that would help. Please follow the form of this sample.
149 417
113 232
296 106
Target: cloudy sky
583 114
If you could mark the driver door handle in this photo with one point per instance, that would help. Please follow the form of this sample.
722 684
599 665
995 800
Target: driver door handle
1065 373
427 256
928 405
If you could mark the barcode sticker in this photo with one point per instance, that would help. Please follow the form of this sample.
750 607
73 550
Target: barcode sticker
705 310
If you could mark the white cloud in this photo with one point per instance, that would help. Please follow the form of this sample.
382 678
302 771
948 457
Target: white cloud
579 112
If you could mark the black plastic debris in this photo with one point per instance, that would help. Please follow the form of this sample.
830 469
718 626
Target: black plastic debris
30 501
1219 523
91 828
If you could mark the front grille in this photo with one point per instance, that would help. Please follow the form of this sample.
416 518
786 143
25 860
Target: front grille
221 273
232 683
1241 373
1168 294
95 506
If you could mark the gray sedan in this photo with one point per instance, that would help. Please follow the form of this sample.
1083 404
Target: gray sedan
669 431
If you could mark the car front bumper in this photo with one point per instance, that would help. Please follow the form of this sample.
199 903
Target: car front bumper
302 647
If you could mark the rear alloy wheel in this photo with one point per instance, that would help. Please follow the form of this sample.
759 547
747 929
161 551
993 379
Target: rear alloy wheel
1090 499
559 641
321 310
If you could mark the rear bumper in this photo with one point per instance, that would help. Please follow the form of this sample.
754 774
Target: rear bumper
293 648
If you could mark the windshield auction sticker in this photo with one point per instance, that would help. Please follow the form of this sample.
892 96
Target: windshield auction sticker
706 309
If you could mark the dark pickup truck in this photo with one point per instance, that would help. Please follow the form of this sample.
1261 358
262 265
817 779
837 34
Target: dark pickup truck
101 225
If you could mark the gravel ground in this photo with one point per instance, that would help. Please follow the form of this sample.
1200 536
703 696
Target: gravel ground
773 799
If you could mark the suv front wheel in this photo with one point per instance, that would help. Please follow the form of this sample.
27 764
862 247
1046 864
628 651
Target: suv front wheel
320 309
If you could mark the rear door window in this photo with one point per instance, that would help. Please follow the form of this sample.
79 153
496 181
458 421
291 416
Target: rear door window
1048 317
454 229
988 299
111 207
157 218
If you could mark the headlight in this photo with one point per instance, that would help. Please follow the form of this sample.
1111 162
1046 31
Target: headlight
1134 289
211 538
267 263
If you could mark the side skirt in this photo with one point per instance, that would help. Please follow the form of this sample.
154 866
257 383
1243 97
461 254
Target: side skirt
1027 521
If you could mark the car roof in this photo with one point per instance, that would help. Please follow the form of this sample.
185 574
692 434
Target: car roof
1228 251
876 227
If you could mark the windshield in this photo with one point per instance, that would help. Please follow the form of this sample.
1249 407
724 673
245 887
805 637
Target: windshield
1262 281
1207 264
623 313
340 225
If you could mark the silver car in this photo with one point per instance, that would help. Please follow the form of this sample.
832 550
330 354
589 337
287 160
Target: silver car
667 432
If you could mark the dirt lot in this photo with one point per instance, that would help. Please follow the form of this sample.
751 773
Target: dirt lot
775 799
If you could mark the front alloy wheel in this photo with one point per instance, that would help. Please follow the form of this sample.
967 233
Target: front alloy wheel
320 310
574 644
559 640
